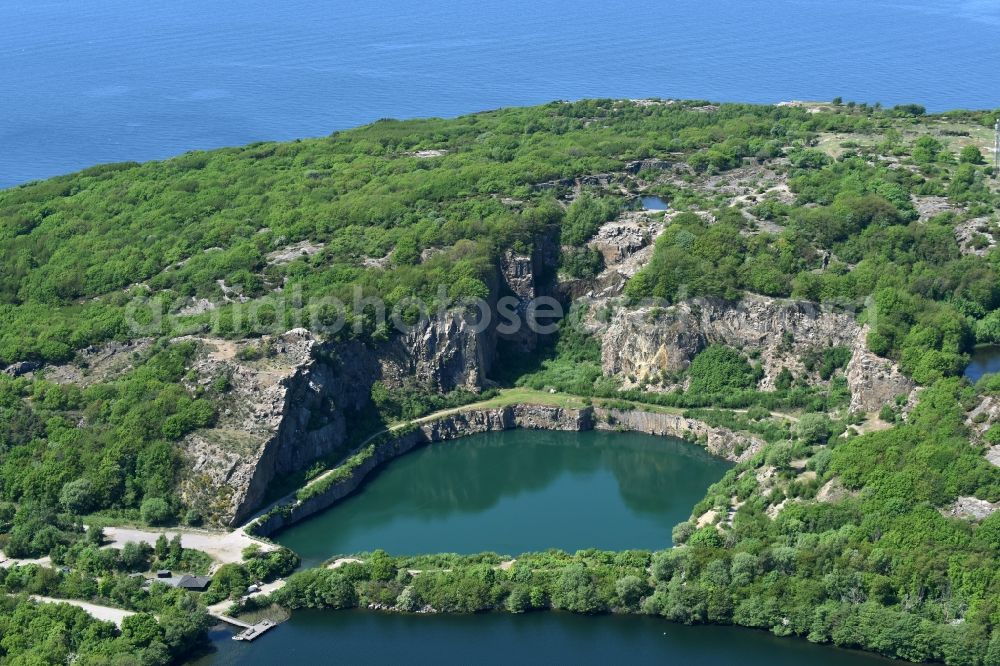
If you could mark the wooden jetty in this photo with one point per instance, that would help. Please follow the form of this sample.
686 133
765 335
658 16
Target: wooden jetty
252 632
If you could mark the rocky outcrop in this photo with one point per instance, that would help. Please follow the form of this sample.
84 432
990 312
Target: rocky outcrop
525 277
874 381
21 368
727 444
651 164
517 273
291 398
642 342
971 508
288 405
625 245
99 363
734 446
444 353
620 239
976 236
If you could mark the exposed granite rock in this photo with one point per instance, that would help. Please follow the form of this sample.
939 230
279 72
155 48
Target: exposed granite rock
98 363
292 252
646 340
526 277
931 206
621 238
734 446
626 245
284 411
874 381
542 417
444 352
972 508
517 272
21 368
985 414
651 164
641 342
975 237
290 408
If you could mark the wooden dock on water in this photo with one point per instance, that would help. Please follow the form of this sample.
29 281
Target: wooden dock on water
254 631
250 631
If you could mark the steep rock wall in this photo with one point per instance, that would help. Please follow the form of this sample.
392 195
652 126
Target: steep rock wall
292 407
641 342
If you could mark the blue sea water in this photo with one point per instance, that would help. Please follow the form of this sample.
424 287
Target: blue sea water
110 80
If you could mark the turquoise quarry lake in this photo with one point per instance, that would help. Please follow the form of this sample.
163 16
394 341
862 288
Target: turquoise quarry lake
517 491
511 492
89 82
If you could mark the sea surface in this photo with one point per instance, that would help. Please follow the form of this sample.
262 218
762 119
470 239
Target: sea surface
89 82
517 491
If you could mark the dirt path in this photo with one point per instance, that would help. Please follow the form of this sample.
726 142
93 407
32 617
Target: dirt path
20 562
106 613
223 547
220 608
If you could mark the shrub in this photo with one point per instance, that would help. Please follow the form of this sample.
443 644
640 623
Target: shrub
814 428
156 511
719 368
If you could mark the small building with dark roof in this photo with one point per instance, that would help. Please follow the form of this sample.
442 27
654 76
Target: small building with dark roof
194 583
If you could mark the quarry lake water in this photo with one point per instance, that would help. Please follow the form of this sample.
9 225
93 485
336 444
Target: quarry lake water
360 637
511 492
517 491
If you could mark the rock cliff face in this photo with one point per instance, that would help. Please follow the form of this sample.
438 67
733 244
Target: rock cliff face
874 381
284 410
526 277
445 353
292 406
641 342
721 442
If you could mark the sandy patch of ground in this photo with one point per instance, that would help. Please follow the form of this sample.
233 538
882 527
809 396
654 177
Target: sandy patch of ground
223 547
707 518
6 562
105 613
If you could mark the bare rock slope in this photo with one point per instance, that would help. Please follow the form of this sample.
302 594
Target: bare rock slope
641 342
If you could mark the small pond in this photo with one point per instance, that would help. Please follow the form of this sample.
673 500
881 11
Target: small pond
985 359
653 203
